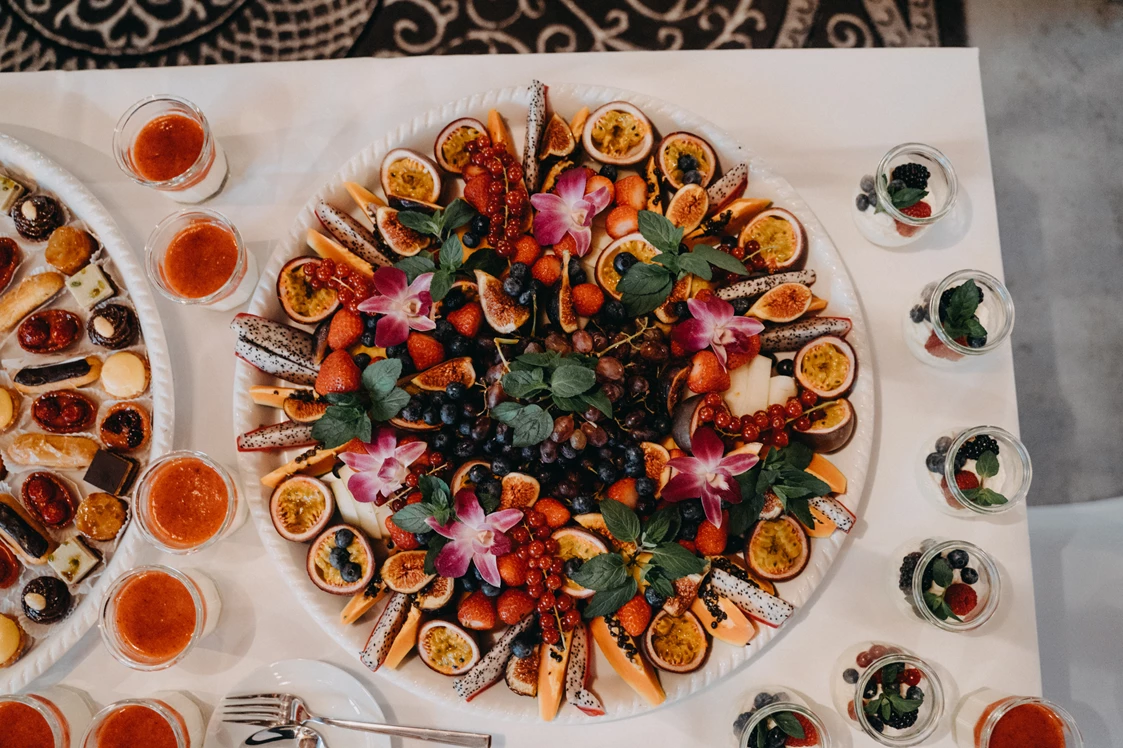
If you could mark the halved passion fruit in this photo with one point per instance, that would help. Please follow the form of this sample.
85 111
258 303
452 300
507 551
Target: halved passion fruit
605 270
826 366
446 648
682 153
409 174
405 572
340 560
301 302
786 302
450 150
688 207
778 549
676 644
574 542
396 236
301 508
782 239
618 133
831 432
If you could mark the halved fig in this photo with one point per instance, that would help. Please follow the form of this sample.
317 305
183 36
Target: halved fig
679 292
301 302
450 146
437 378
785 303
729 188
655 458
301 508
782 239
557 140
686 419
398 237
320 347
446 648
686 591
654 190
503 313
676 644
618 133
407 173
522 672
682 153
688 207
340 560
405 572
567 312
437 594
826 366
778 549
673 384
305 409
831 432
520 491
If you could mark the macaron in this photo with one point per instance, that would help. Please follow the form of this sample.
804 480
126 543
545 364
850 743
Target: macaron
125 375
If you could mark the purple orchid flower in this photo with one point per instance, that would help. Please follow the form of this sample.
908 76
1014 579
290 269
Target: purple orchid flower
708 474
403 306
570 211
382 468
715 326
474 536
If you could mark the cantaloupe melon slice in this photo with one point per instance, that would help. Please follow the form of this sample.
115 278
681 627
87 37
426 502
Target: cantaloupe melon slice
636 671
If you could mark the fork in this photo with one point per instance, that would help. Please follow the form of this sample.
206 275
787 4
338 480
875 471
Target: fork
274 709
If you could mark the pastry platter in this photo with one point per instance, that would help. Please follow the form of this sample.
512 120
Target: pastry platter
598 429
85 400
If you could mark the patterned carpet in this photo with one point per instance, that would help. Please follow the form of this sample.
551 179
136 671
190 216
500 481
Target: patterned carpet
78 34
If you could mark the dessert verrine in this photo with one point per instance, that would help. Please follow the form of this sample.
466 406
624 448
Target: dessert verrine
914 187
990 719
952 584
984 470
777 716
197 257
967 314
154 615
166 143
168 720
185 502
53 718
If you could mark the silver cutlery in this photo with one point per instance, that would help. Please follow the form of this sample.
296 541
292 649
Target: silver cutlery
280 709
299 735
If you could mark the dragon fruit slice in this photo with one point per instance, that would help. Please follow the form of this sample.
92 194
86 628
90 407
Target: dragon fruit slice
577 675
835 512
491 666
758 604
794 336
284 435
351 234
756 286
727 189
272 364
535 124
385 631
281 340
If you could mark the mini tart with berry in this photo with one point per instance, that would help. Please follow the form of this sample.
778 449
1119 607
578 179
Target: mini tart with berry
126 427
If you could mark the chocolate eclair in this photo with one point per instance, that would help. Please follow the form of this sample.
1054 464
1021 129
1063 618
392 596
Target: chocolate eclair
113 326
45 600
36 216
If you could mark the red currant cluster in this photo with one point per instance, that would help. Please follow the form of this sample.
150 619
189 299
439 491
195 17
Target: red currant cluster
352 286
766 426
545 577
508 202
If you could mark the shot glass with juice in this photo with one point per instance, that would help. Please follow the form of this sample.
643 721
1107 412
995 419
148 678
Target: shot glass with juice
167 720
197 257
185 502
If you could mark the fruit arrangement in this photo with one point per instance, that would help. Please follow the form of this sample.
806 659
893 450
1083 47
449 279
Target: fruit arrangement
531 407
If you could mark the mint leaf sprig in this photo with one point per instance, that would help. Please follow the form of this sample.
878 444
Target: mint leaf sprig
890 700
986 466
782 473
436 501
902 198
959 317
439 223
351 415
784 720
943 576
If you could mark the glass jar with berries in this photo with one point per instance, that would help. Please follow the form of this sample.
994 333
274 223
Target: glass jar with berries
777 716
965 315
913 187
888 693
950 584
983 470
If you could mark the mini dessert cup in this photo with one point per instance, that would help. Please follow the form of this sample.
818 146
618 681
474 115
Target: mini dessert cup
945 340
131 639
233 293
986 719
58 712
954 471
169 712
775 709
163 524
202 180
859 692
913 188
971 586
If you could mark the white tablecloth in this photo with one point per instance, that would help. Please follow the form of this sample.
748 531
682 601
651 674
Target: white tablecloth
821 118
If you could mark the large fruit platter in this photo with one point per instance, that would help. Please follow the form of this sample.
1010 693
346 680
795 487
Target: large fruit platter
555 402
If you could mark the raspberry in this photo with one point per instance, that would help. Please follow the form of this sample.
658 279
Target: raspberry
961 598
918 210
810 734
966 480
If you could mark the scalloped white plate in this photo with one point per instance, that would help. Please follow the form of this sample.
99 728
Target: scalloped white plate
833 282
85 207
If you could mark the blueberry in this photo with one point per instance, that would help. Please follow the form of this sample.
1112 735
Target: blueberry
934 462
362 360
397 351
489 589
918 313
777 738
459 346
645 486
480 224
344 538
870 690
520 270
873 199
866 184
623 261
958 559
741 722
512 286
943 444
875 722
572 566
423 537
471 240
687 162
442 441
464 428
351 572
526 298
762 700
608 171
607 472
613 311
338 557
577 274
862 202
960 460
455 390
468 583
500 466
464 449
431 416
785 367
633 453
895 185
688 529
370 322
976 342
915 693
741 306
850 675
523 646
635 469
367 339
584 504
681 310
449 414
478 473
692 510
692 177
969 576
654 599
444 330
411 413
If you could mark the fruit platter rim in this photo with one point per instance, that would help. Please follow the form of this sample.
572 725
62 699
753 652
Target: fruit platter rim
419 132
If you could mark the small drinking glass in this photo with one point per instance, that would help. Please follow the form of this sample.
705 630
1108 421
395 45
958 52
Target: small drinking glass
199 176
913 187
111 727
917 597
185 502
942 334
981 714
184 241
955 471
56 716
760 710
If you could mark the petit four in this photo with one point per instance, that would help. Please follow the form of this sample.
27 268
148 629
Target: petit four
49 331
90 287
10 191
13 640
111 472
9 408
125 375
126 427
22 533
10 258
64 412
77 372
69 249
73 560
49 499
45 600
36 216
101 516
32 293
9 567
52 451
113 326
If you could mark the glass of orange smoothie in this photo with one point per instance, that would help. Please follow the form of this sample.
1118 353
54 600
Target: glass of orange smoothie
185 502
168 720
989 719
154 615
197 256
164 142
53 718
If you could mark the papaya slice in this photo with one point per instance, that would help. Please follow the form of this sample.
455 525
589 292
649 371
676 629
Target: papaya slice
824 470
332 250
551 677
623 654
406 639
734 628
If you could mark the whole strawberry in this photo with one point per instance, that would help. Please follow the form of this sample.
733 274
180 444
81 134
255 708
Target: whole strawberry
916 210
634 615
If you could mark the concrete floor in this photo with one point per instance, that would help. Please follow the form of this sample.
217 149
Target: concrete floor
1052 74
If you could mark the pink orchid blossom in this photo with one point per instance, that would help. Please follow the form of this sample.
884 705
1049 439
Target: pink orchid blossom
708 474
474 536
381 468
403 307
570 211
715 326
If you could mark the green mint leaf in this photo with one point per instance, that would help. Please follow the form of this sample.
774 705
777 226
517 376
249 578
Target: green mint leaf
962 305
719 259
522 384
603 572
659 232
935 604
676 561
485 260
663 525
973 328
621 521
796 454
412 518
571 381
657 579
435 492
436 543
599 400
761 733
452 253
987 464
507 411
695 264
381 377
532 427
569 404
942 572
489 502
385 407
420 222
741 516
458 213
546 359
645 278
987 497
800 483
907 197
441 284
340 424
607 602
946 612
789 724
886 710
903 705
345 399
637 305
801 510
415 266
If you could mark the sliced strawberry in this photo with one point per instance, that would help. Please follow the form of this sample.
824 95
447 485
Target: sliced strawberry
467 319
624 491
475 191
425 350
936 347
707 374
345 330
402 540
338 373
916 210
